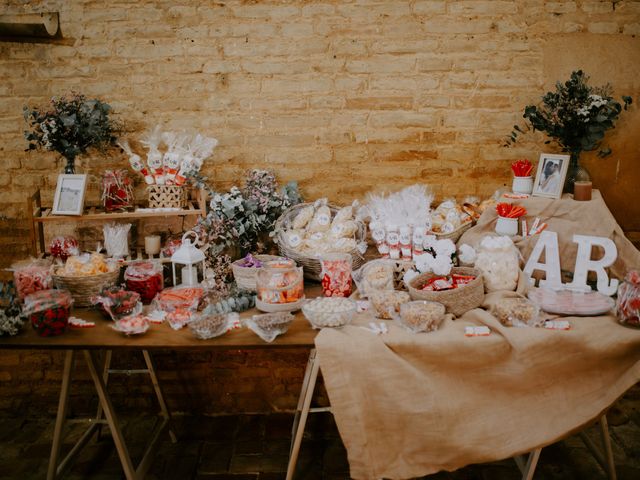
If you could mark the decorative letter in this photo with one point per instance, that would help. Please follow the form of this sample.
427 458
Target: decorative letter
548 243
584 264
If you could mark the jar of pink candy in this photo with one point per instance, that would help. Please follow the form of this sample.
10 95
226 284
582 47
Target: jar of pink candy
628 302
336 274
32 276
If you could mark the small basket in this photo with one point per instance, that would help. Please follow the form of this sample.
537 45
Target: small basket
456 234
458 300
311 265
246 276
83 288
167 196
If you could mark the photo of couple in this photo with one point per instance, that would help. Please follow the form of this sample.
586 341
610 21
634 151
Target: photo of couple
552 170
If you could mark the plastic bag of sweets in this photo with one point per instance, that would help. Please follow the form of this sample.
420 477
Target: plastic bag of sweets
179 298
144 278
31 276
115 302
64 247
48 311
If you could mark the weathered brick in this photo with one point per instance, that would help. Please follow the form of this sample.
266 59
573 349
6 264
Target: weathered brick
603 27
560 7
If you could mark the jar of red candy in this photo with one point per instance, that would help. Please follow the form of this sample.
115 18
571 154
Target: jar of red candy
32 276
144 278
117 190
628 302
48 311
64 247
336 274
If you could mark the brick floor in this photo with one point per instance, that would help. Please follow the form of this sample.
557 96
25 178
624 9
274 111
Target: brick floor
256 447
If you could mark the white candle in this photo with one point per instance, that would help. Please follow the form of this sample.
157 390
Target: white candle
152 244
189 275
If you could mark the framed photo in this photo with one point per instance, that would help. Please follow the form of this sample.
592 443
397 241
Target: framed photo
552 170
69 198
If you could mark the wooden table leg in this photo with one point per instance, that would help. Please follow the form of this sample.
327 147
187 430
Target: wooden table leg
105 378
156 386
608 451
305 385
52 472
306 395
112 421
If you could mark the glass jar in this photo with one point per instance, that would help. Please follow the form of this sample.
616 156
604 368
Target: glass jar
628 301
336 274
280 282
144 278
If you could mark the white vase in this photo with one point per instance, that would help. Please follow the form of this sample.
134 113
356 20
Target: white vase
522 185
507 226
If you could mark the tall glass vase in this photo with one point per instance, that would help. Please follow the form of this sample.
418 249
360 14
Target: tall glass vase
70 166
575 173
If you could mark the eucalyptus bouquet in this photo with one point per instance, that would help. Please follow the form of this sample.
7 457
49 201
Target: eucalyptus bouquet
244 217
70 125
575 115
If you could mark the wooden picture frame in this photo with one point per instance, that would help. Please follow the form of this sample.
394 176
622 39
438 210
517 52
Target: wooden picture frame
550 176
69 197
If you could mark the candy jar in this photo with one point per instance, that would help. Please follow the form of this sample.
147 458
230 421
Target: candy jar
117 190
144 278
628 301
499 261
48 311
32 276
279 283
336 274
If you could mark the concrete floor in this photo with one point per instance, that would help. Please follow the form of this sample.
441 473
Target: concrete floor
256 447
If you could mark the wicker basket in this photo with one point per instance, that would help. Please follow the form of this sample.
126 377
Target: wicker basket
246 276
311 265
458 300
167 196
83 288
456 234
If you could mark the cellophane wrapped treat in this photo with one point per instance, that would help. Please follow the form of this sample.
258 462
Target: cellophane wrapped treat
517 312
32 276
116 302
172 244
374 275
144 278
86 265
117 190
210 325
63 247
499 261
628 301
48 311
336 274
180 303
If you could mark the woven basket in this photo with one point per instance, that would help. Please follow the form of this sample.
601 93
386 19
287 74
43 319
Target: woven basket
456 234
311 265
167 196
458 300
83 288
246 276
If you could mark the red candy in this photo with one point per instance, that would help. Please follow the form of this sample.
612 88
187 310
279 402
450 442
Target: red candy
336 275
64 247
144 278
116 302
49 311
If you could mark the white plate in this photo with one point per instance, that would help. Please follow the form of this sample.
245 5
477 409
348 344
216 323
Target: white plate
565 302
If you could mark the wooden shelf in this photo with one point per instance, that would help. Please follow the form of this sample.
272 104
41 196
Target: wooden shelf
39 216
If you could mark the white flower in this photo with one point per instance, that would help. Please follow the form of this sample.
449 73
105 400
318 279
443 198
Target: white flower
442 265
446 248
467 254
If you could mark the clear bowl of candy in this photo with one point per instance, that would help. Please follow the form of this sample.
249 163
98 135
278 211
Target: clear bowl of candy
269 325
386 302
420 316
333 312
212 325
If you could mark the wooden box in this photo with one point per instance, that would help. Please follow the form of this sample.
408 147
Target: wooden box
167 196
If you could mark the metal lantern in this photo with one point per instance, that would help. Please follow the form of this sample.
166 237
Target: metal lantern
190 257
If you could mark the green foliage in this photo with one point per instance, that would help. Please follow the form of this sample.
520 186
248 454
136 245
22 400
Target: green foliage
575 115
70 125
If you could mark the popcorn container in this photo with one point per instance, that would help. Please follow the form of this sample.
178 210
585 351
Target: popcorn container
48 311
336 274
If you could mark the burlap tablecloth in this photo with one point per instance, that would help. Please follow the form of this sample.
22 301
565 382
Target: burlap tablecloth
566 217
409 405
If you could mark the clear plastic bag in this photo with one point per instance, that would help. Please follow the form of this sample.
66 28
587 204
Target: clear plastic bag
31 276
210 325
517 312
116 302
374 275
179 298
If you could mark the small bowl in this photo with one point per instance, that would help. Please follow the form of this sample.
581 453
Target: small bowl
420 316
385 302
210 325
326 312
269 325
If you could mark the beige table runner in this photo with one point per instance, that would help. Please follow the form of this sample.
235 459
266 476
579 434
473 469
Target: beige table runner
410 405
566 217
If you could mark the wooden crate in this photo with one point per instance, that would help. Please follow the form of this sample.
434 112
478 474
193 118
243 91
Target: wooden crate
167 196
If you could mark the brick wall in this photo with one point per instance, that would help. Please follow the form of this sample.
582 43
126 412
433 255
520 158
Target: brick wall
344 96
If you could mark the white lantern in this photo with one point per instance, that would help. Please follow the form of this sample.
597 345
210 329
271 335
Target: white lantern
190 257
